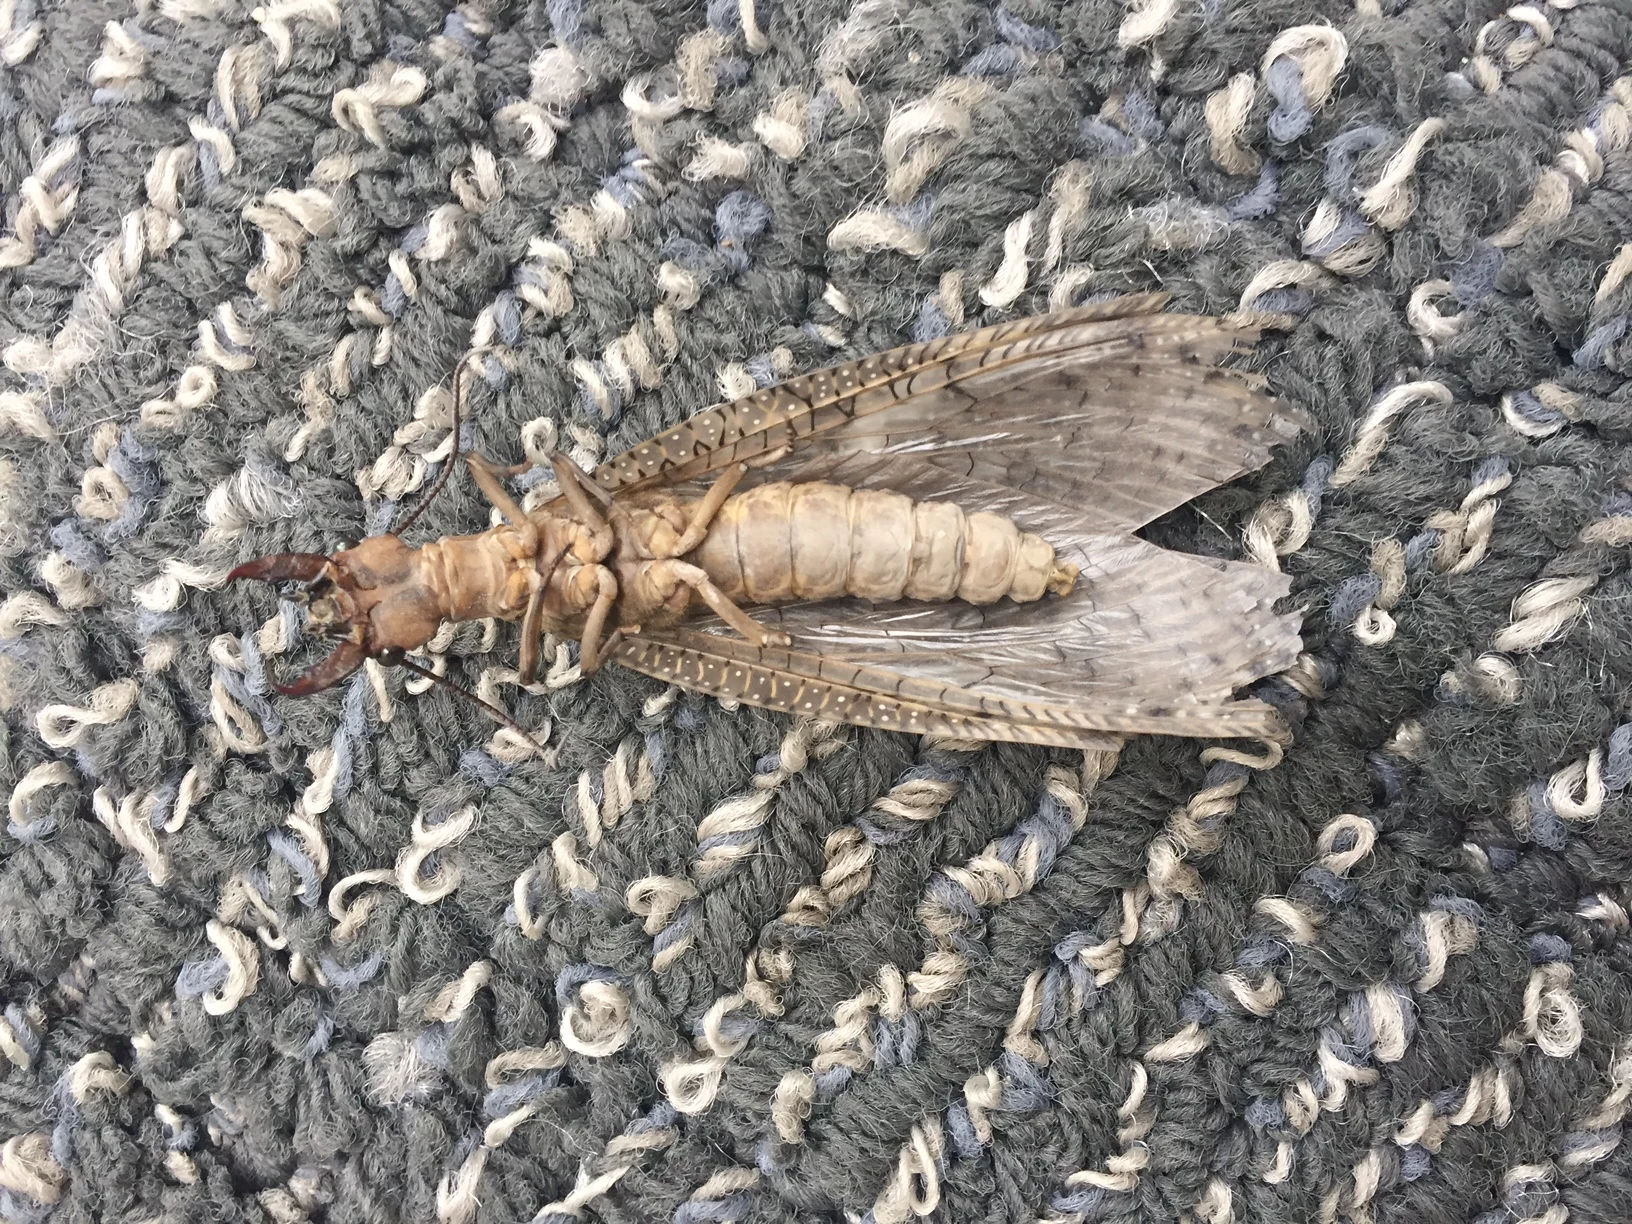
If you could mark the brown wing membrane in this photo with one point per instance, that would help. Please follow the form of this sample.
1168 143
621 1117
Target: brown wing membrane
820 686
825 399
1126 443
1112 409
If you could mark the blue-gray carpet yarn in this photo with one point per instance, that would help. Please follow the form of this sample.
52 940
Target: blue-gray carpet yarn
363 958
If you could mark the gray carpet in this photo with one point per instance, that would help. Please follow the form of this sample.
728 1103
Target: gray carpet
359 959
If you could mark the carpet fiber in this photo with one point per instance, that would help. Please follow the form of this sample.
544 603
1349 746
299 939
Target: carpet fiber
357 958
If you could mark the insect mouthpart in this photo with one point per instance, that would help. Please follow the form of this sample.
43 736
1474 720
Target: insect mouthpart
327 616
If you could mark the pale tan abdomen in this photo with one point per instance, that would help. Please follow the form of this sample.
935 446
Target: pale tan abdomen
782 542
477 575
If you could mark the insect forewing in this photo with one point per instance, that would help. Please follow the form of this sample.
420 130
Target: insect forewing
1113 409
872 695
815 686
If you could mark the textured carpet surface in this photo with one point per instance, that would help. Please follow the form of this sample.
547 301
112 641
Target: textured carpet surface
357 958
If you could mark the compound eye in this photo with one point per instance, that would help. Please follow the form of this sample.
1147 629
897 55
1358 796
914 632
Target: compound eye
390 656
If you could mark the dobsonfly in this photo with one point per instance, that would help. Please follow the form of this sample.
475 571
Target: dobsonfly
936 539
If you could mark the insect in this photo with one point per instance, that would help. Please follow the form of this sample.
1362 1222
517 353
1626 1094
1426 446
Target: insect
939 538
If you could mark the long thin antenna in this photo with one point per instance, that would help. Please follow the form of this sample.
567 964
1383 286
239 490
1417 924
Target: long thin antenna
453 452
497 714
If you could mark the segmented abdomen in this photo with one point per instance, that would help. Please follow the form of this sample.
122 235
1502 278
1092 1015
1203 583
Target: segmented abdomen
783 542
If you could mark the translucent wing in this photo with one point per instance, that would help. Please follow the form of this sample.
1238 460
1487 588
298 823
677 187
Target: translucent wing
1146 629
1080 426
1150 641
1114 409
912 684
797 682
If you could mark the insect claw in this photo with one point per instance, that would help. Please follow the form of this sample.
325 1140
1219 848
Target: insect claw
281 567
347 658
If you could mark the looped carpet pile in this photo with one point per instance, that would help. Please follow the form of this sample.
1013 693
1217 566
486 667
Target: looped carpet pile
360 959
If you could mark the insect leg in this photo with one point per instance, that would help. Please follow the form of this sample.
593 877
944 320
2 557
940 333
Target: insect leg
576 487
703 517
532 621
487 480
573 482
589 653
670 573
770 457
510 472
571 471
530 626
